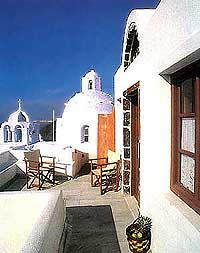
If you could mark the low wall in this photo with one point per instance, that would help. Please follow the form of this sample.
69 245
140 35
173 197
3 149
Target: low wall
31 221
68 159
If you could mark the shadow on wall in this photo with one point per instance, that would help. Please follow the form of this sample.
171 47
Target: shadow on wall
91 229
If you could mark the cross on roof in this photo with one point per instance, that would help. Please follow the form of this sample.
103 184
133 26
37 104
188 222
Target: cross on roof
19 104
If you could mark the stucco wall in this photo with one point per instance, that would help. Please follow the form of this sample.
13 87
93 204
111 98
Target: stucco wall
70 132
173 32
31 221
168 42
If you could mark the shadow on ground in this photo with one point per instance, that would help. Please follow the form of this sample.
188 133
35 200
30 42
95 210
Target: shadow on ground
60 178
91 229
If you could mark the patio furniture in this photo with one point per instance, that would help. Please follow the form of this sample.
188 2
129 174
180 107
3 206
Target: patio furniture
105 172
39 169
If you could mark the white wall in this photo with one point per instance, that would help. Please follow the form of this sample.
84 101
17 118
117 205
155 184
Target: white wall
31 221
171 35
72 124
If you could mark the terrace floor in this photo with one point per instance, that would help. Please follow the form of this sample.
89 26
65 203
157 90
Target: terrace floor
96 223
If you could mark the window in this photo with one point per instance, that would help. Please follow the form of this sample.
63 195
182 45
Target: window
90 85
132 45
85 134
185 174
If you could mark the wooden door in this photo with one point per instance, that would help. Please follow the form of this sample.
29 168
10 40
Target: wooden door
135 142
106 134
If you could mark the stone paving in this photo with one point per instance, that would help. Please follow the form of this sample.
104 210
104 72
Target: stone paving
97 222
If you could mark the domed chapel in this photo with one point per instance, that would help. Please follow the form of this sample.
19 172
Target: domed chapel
78 125
17 129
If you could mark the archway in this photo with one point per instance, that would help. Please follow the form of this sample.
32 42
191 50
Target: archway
18 133
7 134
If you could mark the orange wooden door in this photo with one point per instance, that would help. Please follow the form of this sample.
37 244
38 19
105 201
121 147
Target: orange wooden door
106 134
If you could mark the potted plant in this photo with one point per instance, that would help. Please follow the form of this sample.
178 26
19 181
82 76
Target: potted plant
139 234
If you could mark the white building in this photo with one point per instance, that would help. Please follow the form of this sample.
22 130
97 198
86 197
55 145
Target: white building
79 123
18 128
157 99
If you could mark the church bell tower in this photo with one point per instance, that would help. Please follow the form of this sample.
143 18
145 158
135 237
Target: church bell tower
91 81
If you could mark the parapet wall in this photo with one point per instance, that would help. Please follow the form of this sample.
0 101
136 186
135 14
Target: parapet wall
31 221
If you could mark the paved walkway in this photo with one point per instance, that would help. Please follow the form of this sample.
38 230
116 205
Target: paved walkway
96 224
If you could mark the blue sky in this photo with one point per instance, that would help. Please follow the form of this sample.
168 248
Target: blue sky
46 46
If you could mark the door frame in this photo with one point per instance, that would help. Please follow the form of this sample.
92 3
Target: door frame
133 94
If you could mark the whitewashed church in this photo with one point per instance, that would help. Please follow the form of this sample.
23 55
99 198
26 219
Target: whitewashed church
18 129
78 126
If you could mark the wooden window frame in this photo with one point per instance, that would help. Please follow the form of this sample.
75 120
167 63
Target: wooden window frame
192 199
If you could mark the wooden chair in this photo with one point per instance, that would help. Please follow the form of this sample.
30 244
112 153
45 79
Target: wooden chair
39 169
105 172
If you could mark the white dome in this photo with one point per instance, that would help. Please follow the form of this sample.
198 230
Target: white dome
99 101
19 115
